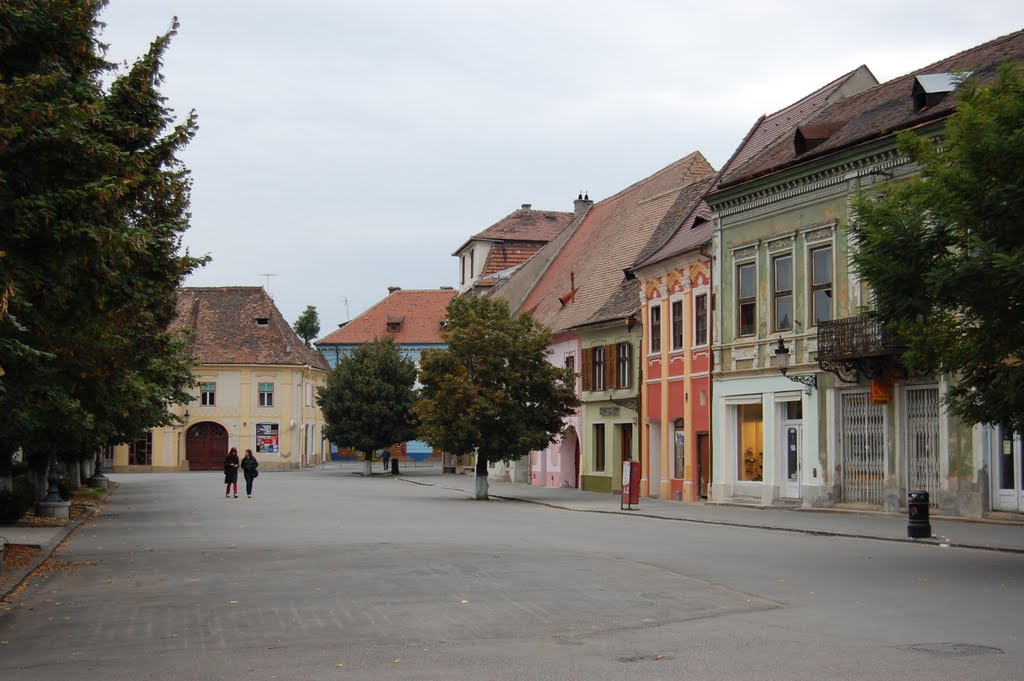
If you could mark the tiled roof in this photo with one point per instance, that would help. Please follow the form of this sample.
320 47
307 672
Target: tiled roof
417 314
508 254
697 229
881 110
588 270
226 330
526 224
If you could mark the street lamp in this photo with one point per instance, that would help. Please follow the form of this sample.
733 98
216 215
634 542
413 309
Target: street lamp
782 359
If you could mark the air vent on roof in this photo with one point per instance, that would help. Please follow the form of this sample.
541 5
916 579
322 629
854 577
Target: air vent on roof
931 88
262 321
814 134
395 323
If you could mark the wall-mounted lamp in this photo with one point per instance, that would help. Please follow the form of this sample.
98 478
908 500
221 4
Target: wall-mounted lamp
782 356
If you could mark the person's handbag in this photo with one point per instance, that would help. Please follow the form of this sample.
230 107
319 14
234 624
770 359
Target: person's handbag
255 473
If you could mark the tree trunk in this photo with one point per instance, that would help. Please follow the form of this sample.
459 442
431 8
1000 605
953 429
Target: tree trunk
368 465
74 473
481 477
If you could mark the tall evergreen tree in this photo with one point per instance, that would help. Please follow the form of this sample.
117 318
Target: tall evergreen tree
93 203
492 391
944 252
307 326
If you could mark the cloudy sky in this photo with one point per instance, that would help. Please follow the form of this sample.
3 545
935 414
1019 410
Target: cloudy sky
345 146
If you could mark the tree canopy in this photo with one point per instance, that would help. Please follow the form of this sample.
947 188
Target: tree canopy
943 252
367 400
93 203
307 326
492 391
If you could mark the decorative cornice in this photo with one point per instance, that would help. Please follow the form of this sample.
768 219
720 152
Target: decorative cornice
786 243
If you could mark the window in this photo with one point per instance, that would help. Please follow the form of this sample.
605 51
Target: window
598 369
140 452
782 292
570 363
821 284
599 447
462 271
749 438
679 447
208 394
267 438
746 298
655 327
625 365
677 325
266 394
700 319
309 394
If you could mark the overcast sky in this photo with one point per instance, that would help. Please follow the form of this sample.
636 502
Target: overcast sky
345 147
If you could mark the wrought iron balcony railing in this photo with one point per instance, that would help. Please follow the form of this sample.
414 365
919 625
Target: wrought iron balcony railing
855 337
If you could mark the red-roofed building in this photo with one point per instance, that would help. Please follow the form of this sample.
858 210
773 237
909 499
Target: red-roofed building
414 319
493 254
257 387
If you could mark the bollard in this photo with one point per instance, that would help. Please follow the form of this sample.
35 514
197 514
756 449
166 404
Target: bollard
394 466
918 525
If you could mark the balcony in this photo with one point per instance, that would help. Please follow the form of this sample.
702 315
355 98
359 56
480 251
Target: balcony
858 346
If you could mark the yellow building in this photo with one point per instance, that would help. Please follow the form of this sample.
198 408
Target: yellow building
257 390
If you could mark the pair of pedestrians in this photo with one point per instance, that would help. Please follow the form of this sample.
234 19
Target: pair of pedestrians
249 466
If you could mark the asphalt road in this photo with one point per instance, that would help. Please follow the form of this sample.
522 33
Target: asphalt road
329 575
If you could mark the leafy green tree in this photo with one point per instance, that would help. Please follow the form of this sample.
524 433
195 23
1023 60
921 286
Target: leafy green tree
367 400
308 325
492 391
93 203
944 252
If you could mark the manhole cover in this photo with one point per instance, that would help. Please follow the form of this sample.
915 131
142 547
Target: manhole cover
954 649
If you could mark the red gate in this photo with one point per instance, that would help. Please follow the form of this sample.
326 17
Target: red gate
206 446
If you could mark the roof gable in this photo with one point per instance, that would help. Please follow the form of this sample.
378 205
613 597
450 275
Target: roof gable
524 225
240 325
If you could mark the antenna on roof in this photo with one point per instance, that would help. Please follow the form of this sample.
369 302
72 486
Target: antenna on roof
345 300
268 275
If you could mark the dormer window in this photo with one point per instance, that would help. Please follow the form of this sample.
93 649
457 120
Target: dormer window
931 88
263 321
810 136
395 324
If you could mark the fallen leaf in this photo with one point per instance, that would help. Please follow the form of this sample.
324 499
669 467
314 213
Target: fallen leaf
339 665
465 601
396 660
233 602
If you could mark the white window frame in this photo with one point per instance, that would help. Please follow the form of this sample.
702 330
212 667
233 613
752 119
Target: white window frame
672 322
265 398
703 291
203 392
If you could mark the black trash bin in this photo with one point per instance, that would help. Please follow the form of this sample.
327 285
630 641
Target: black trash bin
918 525
394 466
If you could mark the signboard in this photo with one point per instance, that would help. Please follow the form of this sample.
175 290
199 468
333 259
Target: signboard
881 391
626 468
630 483
609 411
267 438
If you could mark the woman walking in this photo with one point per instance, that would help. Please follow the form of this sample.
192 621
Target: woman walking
231 472
249 465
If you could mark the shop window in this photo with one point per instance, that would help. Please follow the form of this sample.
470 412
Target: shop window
782 292
677 325
266 391
700 320
746 299
821 284
267 438
599 447
208 394
625 365
140 452
655 327
749 442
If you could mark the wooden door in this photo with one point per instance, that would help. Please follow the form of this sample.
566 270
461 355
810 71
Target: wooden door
206 446
703 464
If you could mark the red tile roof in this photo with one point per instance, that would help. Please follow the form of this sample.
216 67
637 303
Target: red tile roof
608 240
881 110
524 225
226 330
417 313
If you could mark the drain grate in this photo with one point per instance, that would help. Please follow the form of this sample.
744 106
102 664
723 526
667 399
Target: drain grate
954 649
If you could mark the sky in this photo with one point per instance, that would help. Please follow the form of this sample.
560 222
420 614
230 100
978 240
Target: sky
345 147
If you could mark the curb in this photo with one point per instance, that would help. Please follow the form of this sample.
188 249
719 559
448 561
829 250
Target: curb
47 550
936 542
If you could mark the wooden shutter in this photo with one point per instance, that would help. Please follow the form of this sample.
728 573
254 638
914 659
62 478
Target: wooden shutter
588 368
611 367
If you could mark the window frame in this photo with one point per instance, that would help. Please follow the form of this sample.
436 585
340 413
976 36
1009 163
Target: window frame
625 364
600 458
265 397
700 320
654 316
779 294
599 360
814 288
677 323
742 302
208 396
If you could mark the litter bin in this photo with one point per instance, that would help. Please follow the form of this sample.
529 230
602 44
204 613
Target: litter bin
918 525
394 466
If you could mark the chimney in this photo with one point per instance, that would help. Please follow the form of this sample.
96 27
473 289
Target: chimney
581 203
393 289
527 207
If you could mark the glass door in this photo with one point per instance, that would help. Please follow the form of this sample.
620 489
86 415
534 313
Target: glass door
792 417
1008 473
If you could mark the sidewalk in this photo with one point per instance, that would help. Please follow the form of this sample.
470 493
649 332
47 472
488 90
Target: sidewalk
991 535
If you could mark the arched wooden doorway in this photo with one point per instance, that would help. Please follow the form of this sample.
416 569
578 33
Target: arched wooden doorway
206 445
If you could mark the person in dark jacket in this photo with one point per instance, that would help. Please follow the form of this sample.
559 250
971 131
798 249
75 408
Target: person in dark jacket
249 465
231 472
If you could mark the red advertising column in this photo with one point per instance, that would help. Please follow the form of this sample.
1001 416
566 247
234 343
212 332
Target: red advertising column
630 483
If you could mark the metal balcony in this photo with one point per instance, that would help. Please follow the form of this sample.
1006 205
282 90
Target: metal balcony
858 345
